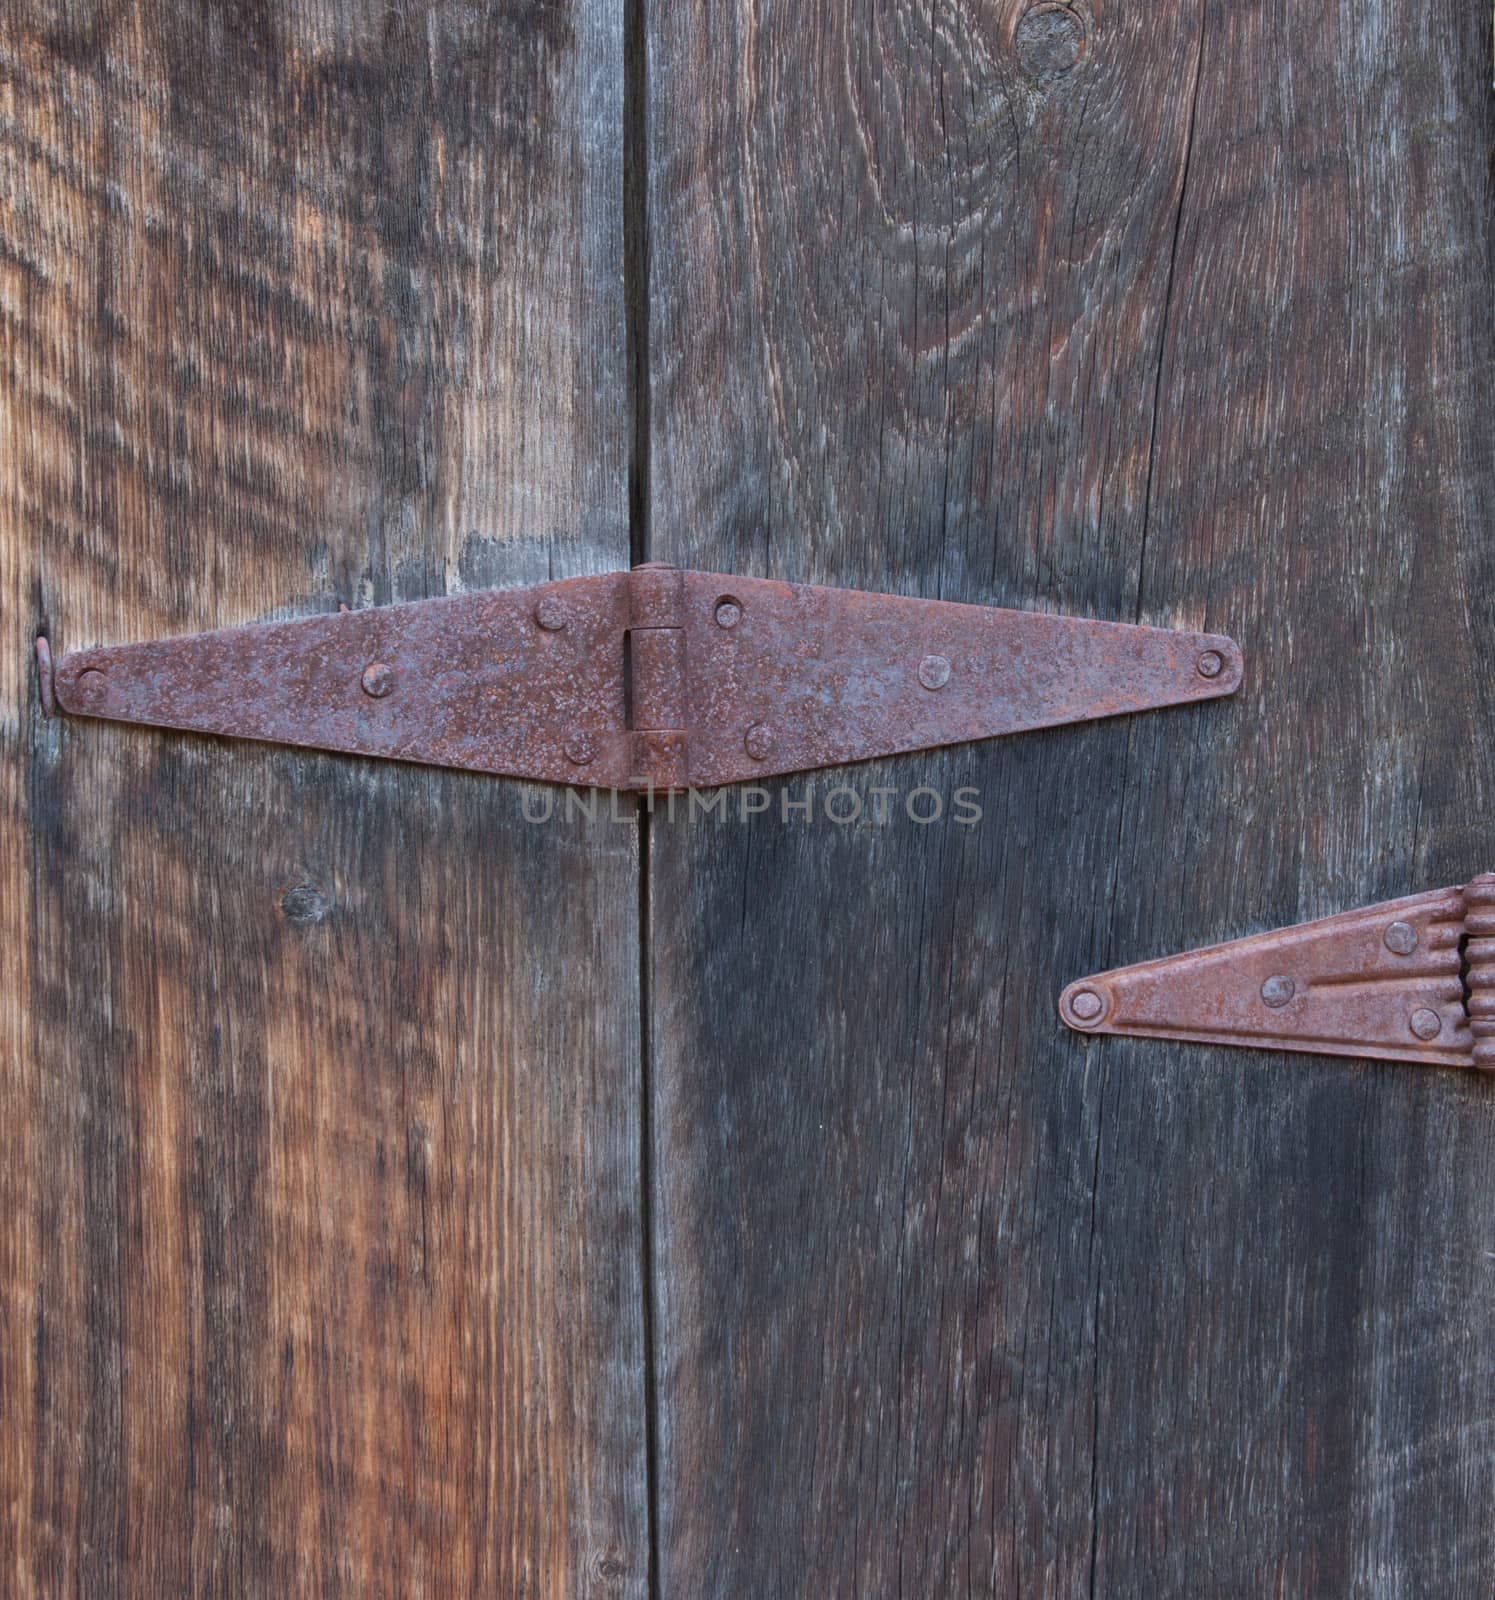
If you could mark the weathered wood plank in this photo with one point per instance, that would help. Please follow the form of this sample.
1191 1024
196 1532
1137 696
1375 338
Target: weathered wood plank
319 1178
1178 314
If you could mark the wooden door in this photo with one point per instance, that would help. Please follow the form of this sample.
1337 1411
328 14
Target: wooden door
321 1186
1170 313
400 1197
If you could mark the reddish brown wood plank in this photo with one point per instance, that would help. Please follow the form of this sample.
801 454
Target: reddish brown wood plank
319 1187
1178 314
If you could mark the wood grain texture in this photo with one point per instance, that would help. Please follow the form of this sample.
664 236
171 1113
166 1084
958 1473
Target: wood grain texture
319 1171
1178 314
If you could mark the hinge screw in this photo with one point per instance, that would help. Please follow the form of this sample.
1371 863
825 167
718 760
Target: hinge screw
551 614
1278 990
934 672
1401 938
758 742
378 679
1210 663
728 613
91 691
1086 1004
580 747
1426 1023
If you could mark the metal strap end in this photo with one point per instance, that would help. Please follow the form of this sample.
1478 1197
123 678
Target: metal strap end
1405 980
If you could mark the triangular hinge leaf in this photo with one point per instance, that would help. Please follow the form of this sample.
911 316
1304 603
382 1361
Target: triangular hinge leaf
1407 980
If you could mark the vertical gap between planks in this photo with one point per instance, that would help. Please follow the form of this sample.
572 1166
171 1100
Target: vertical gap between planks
636 303
636 270
646 1206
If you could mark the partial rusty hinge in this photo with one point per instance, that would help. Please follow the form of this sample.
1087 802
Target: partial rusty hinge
653 679
1408 980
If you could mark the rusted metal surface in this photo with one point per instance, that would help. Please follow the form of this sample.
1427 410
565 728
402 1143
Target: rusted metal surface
827 676
652 679
1407 980
478 681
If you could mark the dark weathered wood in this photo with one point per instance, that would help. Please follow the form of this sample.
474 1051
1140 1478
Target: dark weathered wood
319 1227
1179 314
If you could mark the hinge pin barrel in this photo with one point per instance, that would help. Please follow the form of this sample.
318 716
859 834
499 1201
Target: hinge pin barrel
658 686
1479 955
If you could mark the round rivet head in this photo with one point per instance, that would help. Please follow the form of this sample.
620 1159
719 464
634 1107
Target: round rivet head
1426 1023
728 613
90 689
1278 990
550 613
1401 938
1210 664
758 741
934 672
1086 1005
580 747
378 679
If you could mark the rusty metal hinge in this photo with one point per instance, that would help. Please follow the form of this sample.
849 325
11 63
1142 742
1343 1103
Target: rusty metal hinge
653 679
1408 980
